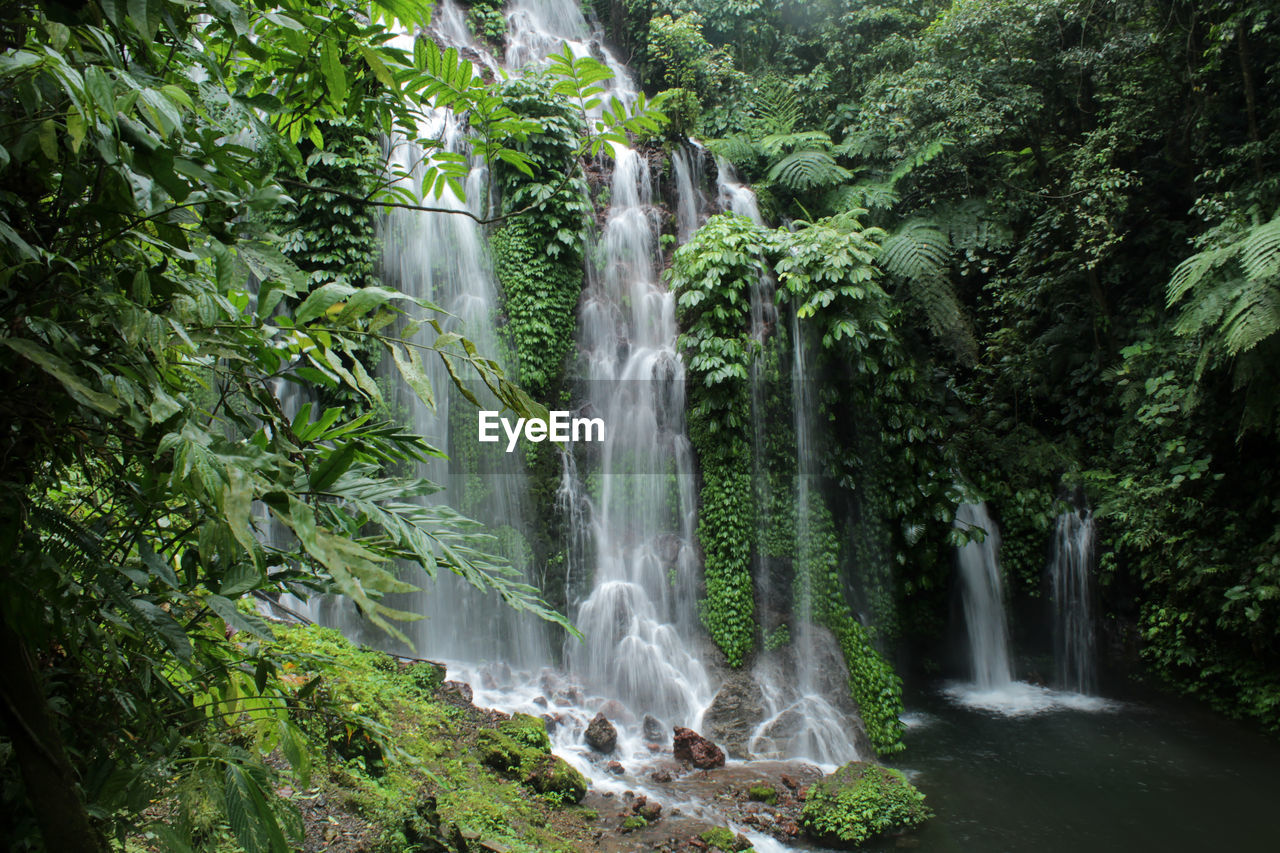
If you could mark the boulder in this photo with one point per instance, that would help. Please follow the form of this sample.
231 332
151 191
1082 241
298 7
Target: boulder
697 750
858 802
735 712
653 730
601 735
456 692
551 774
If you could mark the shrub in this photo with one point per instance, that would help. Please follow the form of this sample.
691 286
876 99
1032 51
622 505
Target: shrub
860 801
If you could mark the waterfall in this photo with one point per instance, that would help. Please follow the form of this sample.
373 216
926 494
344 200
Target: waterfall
639 617
983 593
686 165
1069 574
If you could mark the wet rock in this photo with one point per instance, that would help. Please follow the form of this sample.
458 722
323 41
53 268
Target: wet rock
456 692
540 701
615 710
653 730
647 809
660 776
694 748
551 774
735 712
601 735
615 767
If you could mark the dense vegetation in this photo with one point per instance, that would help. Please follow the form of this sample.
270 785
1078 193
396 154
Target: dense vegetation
1035 247
186 206
1077 205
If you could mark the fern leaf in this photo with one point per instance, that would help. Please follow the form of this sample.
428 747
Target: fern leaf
780 143
919 158
776 108
1192 271
1254 317
808 169
944 314
918 249
1260 251
854 197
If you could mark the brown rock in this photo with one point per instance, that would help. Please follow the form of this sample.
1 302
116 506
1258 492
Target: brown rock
694 748
601 735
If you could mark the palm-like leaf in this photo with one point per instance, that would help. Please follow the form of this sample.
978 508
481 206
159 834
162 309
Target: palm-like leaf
808 169
1234 289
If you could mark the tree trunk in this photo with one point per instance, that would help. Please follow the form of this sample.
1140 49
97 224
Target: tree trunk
51 787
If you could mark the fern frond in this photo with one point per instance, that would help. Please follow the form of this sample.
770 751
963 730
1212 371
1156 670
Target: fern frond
71 544
1254 316
862 145
876 196
780 143
1192 271
808 169
970 226
776 108
918 249
920 157
1260 251
944 314
738 149
1234 288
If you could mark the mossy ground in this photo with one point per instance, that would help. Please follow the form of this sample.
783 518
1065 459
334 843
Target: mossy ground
416 769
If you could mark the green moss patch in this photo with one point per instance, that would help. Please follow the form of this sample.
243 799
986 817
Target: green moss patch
860 801
426 774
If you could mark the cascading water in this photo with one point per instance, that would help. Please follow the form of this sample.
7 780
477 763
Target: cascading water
800 722
993 688
1069 575
441 257
983 592
638 617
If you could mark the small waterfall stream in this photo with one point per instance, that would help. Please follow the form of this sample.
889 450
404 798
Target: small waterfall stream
1070 572
983 593
982 590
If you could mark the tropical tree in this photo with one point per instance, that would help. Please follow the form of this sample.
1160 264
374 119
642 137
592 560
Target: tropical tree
150 476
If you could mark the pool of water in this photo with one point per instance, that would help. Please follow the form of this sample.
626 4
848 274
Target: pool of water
1138 775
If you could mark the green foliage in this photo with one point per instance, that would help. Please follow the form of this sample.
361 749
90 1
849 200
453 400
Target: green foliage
680 57
712 276
487 20
762 794
149 155
440 770
720 838
777 638
859 802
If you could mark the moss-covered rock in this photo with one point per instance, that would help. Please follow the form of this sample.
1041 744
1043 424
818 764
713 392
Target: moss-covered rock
501 753
527 731
763 794
860 801
726 840
551 774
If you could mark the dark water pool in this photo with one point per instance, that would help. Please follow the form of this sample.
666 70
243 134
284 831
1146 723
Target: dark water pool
1147 775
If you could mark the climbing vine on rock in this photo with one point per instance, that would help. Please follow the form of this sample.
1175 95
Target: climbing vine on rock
538 253
712 275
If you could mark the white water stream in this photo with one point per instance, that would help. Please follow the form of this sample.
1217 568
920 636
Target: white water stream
993 688
1070 571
